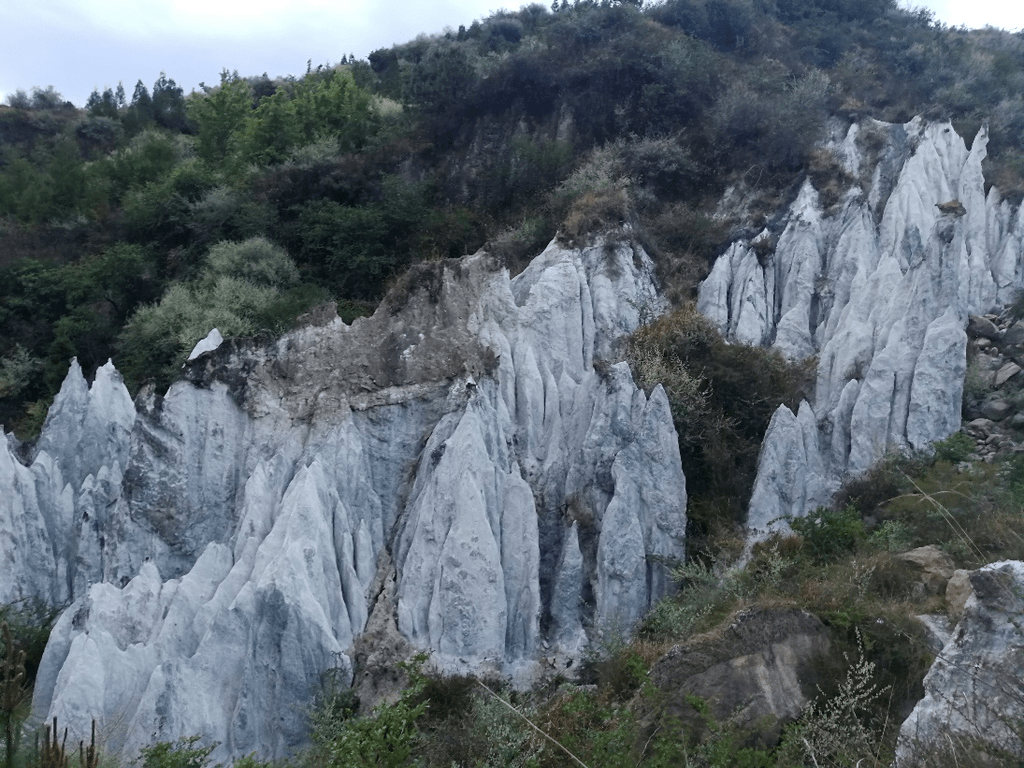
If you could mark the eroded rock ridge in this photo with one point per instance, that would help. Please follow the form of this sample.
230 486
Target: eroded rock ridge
464 471
878 287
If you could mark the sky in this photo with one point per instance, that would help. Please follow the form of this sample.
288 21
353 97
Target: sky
81 45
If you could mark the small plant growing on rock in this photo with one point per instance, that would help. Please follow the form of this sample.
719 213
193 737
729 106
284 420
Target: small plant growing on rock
182 753
833 731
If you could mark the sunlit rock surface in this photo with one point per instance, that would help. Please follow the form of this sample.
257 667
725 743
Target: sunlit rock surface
879 288
464 470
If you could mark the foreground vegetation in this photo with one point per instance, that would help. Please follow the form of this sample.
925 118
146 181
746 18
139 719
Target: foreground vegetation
842 564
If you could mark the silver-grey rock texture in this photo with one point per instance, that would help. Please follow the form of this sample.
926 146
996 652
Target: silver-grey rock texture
974 694
464 470
52 542
879 287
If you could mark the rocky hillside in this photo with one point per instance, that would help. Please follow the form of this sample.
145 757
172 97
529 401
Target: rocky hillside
878 289
472 471
650 371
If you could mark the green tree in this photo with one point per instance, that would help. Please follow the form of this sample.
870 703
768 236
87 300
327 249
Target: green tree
148 157
140 112
169 104
102 105
218 113
440 80
68 182
330 104
271 131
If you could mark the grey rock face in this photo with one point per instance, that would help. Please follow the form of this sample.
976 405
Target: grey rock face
453 473
52 511
754 674
996 410
974 696
880 290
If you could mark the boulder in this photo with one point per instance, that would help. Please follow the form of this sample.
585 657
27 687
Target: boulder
1006 372
754 674
935 565
982 425
937 630
958 591
1014 335
210 342
996 410
982 327
974 694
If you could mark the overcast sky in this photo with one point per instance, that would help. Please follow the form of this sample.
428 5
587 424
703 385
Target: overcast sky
79 45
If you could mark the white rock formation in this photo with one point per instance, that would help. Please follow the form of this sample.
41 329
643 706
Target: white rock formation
455 467
208 343
974 695
51 542
879 288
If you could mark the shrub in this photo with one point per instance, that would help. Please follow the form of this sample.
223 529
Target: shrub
477 728
830 533
593 213
514 247
722 398
833 730
957 447
242 287
683 241
602 173
354 249
148 157
182 753
17 370
700 596
388 738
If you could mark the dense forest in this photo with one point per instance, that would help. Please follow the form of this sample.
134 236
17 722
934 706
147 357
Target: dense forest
130 227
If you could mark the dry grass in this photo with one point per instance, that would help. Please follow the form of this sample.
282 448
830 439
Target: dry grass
593 213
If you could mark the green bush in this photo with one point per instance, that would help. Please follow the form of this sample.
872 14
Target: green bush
955 448
17 369
387 738
830 533
242 287
354 249
182 753
722 398
148 157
